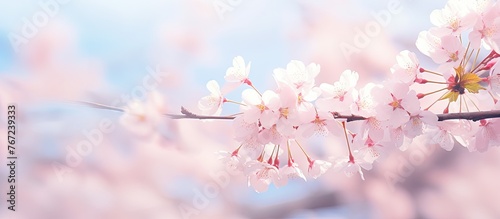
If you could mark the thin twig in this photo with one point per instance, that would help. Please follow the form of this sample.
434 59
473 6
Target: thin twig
186 114
97 105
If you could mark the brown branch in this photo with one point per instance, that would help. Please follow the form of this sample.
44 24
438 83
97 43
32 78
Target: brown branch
474 116
186 114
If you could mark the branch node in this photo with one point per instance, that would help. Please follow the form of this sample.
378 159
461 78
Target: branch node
187 112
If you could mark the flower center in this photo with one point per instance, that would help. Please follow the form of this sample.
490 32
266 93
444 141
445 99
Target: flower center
395 103
319 121
284 112
455 24
261 107
460 82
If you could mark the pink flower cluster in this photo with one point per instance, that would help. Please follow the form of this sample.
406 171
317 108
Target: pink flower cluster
464 31
380 116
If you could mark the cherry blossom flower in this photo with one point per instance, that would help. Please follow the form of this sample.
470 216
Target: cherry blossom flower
300 77
353 164
441 135
239 71
486 32
263 109
415 126
320 123
247 135
487 135
392 101
478 6
318 167
494 79
407 67
271 135
374 128
244 130
397 138
338 97
370 149
454 18
263 176
418 118
463 131
212 104
290 171
442 49
364 104
494 84
288 112
232 160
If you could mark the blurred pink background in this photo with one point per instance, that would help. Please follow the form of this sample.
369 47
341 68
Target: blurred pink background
102 51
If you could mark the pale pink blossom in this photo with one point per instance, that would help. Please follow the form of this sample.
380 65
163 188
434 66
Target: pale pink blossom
494 79
338 97
364 104
463 131
407 67
494 84
232 160
244 130
418 118
247 135
392 101
441 135
415 126
288 117
318 168
369 149
354 163
239 71
454 18
300 77
271 135
444 49
289 172
263 109
320 123
397 138
374 128
263 176
486 32
487 135
478 6
212 104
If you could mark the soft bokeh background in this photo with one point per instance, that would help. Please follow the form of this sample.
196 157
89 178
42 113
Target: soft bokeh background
101 51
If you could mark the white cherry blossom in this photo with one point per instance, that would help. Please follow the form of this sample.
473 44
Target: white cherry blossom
212 104
407 67
338 97
239 71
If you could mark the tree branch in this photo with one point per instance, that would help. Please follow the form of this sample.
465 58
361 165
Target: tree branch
474 116
186 114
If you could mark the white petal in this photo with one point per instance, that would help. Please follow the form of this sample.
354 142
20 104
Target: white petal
213 87
271 100
349 78
410 103
251 97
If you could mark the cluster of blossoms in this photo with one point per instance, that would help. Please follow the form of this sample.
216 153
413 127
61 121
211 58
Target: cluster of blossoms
380 116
